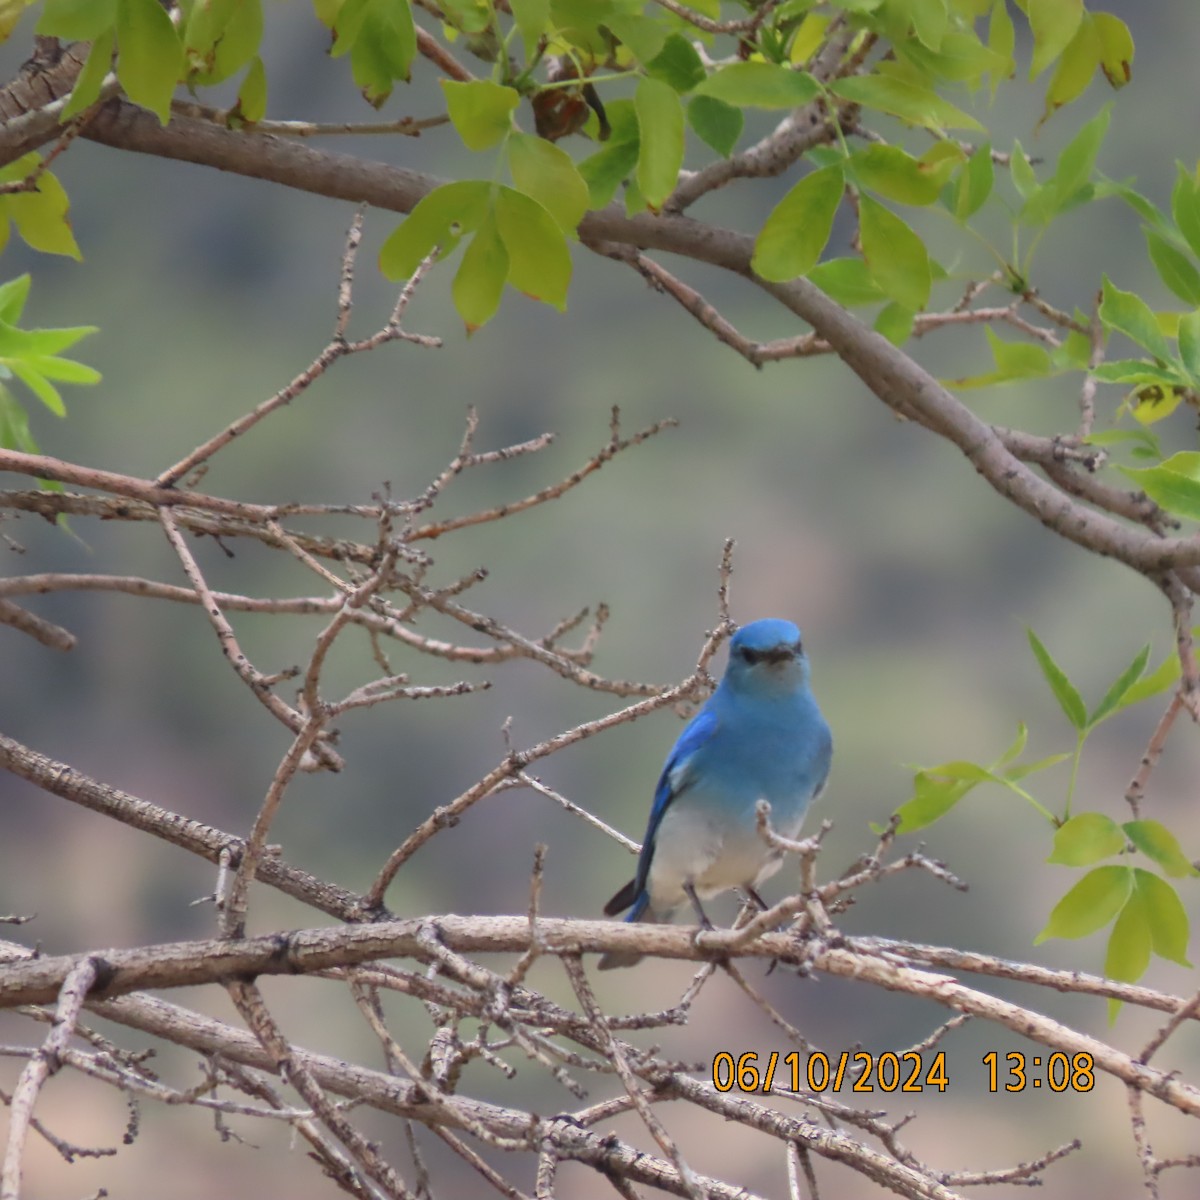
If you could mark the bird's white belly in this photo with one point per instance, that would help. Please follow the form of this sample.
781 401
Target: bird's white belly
693 845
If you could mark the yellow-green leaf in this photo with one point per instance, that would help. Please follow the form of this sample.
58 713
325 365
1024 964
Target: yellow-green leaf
149 55
1165 915
1116 48
904 99
660 153
481 111
546 172
41 217
76 20
1129 946
1054 23
716 123
252 95
90 80
480 278
894 174
798 228
1174 267
1131 315
1185 207
1065 692
1086 838
1090 904
975 182
1075 69
1157 842
760 85
532 17
539 263
895 255
439 219
1173 484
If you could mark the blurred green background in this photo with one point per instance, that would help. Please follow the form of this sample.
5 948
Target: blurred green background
911 579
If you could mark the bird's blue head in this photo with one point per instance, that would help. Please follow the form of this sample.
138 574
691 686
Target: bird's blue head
766 656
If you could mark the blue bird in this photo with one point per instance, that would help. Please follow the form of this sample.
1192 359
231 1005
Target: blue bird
759 736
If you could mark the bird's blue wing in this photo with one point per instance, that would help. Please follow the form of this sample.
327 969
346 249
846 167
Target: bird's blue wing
675 778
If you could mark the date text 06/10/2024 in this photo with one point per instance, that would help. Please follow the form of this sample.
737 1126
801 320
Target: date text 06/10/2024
910 1071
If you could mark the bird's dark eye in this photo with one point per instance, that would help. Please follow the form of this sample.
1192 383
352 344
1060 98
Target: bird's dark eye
750 656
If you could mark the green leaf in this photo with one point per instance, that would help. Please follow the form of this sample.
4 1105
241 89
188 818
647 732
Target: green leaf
439 219
1189 344
1078 64
932 798
895 322
1116 48
41 217
1157 682
14 425
222 38
1002 40
1016 748
1157 842
1111 701
1129 945
480 278
975 182
539 261
37 383
384 45
1185 207
1139 371
1090 904
1078 159
660 154
532 17
1064 690
1021 770
544 171
894 174
799 226
607 169
1173 484
13 295
904 99
1053 23
643 36
1021 172
895 255
252 95
930 20
1165 915
677 64
63 370
481 111
1086 838
760 85
716 123
27 342
846 280
809 38
76 20
149 55
1174 267
1131 315
90 80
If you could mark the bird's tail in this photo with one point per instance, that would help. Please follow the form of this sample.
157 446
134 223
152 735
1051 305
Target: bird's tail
641 911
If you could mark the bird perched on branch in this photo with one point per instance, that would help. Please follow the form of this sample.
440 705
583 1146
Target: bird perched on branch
759 736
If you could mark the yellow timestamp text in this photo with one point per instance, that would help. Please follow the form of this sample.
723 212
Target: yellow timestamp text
855 1071
1056 1072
